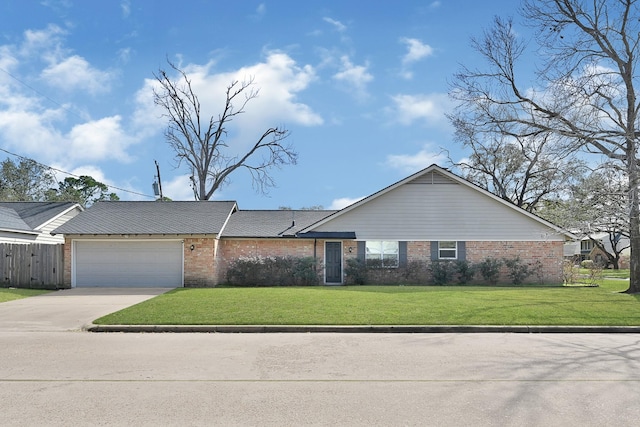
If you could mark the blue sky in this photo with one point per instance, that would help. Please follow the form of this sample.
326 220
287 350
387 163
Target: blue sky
361 85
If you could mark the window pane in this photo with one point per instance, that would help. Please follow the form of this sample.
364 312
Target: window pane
390 247
384 252
446 254
447 250
374 247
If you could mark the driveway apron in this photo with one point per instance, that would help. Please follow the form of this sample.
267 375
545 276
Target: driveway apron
69 309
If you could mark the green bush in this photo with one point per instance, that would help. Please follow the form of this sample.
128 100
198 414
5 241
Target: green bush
490 270
466 271
443 272
273 271
371 272
517 270
356 271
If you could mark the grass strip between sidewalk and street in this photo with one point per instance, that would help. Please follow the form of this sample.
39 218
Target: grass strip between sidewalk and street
605 305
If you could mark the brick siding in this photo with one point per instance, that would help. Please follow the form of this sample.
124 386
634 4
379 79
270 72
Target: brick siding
207 263
199 265
548 254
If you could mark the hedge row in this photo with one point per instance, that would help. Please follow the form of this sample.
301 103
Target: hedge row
290 271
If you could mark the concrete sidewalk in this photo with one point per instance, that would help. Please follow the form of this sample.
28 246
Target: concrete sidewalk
69 309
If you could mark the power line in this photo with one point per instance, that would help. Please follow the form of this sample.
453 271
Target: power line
73 175
71 112
42 94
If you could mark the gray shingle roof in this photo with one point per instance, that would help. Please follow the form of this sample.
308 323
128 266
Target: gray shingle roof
271 223
104 218
30 215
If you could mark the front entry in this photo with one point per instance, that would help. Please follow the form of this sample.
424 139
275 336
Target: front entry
333 262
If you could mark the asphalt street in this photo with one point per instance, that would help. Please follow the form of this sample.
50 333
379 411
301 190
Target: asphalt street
279 379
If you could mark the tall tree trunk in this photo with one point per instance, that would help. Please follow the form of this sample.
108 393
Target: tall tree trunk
634 224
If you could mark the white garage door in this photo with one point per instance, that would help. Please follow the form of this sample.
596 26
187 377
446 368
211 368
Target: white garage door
128 263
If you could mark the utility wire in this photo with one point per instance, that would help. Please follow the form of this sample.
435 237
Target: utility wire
71 112
67 109
73 175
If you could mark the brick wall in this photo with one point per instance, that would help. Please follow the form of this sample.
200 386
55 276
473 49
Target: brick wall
207 263
230 250
199 266
67 262
548 254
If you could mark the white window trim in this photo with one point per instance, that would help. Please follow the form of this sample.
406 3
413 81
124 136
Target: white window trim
455 249
382 253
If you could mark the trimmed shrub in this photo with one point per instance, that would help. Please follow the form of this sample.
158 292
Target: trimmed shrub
466 270
443 272
273 271
490 270
517 270
373 272
356 271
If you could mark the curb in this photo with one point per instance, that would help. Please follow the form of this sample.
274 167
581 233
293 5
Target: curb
252 329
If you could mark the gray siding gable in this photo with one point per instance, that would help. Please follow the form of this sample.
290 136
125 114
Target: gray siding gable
435 204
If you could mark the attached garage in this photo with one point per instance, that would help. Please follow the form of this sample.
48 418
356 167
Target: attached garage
128 263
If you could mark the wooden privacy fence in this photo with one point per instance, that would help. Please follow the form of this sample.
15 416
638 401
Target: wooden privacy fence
31 265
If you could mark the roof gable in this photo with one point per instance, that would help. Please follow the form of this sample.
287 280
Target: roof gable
435 202
270 223
32 216
132 217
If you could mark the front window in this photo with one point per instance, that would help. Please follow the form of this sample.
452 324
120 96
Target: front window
382 253
447 250
586 245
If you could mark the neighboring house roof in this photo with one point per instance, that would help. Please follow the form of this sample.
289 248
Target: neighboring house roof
125 217
280 223
30 217
387 205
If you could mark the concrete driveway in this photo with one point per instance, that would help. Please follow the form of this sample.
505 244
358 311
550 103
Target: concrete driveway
69 309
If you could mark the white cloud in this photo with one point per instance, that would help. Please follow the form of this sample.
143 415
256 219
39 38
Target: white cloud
356 77
75 73
430 109
179 188
261 10
99 140
125 5
416 50
343 202
124 54
410 163
339 26
30 132
45 43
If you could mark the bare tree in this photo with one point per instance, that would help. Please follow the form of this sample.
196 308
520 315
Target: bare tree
202 143
585 88
593 207
525 171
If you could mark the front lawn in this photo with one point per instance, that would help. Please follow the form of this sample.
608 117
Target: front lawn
388 305
8 294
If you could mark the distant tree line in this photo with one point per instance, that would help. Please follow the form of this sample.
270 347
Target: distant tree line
29 181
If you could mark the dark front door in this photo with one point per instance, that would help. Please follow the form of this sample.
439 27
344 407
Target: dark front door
333 262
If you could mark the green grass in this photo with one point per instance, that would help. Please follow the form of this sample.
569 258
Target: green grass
9 294
389 305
